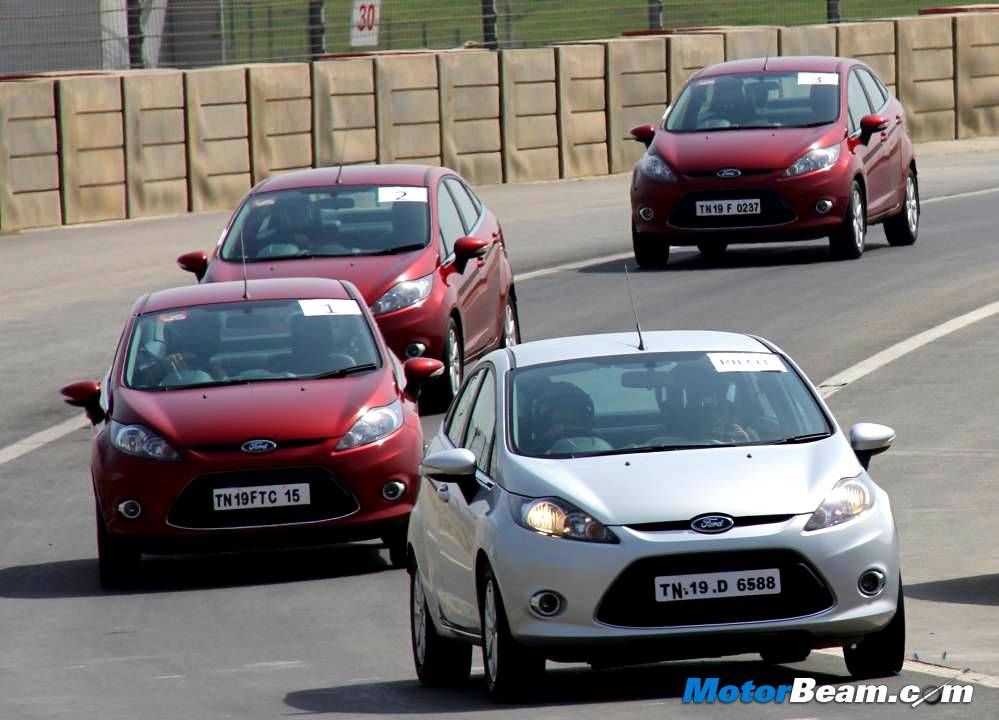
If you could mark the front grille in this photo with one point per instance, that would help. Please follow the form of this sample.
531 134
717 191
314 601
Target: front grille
714 173
631 599
328 499
745 521
774 210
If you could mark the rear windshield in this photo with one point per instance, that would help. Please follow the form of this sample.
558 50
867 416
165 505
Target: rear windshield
663 401
756 100
329 222
262 340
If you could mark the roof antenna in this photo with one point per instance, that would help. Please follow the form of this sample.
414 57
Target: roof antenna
242 254
343 154
634 309
766 59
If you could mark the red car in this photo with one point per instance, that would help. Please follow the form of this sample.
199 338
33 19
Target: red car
237 416
775 149
427 255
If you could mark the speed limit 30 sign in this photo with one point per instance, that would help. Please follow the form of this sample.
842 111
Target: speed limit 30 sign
364 23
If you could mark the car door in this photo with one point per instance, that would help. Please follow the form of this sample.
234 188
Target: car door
465 505
884 104
874 157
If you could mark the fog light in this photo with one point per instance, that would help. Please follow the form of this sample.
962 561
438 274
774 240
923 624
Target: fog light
393 490
871 583
823 206
646 214
130 509
415 350
546 603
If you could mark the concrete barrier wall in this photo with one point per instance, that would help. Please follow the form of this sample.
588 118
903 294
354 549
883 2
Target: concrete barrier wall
686 54
637 94
155 144
91 148
529 117
218 137
925 67
872 43
976 40
280 118
408 109
345 122
582 104
470 115
29 160
808 40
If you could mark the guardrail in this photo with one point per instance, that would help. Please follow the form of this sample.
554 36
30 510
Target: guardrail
134 144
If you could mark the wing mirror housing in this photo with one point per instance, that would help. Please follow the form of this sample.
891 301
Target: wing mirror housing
644 134
85 394
194 262
450 466
467 248
870 439
871 124
419 371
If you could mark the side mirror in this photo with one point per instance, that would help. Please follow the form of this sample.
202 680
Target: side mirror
644 134
418 371
449 466
870 439
871 124
85 394
194 262
467 248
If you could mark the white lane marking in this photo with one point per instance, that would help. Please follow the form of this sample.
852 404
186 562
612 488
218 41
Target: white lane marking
970 193
167 677
273 665
571 266
42 437
923 668
865 367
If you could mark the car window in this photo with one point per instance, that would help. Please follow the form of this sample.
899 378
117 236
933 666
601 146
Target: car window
856 101
448 219
482 423
475 198
875 92
469 213
454 427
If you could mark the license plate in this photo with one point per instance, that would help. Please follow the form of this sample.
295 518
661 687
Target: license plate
708 586
261 496
712 208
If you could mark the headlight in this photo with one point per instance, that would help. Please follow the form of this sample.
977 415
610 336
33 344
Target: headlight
406 293
812 160
655 167
848 499
373 425
557 518
141 442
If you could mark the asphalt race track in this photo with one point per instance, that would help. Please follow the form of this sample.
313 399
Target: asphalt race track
325 632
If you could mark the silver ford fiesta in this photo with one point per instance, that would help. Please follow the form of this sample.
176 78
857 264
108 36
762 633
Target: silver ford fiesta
611 501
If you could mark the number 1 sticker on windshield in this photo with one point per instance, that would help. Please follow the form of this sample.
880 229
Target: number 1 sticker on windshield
402 194
313 307
747 362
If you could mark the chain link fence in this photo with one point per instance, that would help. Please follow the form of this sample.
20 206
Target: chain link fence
59 35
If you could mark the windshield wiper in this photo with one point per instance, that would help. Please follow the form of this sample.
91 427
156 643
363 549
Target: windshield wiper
396 250
795 439
342 372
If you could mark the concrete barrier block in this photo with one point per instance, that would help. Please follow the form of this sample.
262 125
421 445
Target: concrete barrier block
280 118
155 144
808 40
582 104
343 101
686 54
218 148
925 67
29 164
872 43
92 148
751 42
408 109
470 115
530 126
976 41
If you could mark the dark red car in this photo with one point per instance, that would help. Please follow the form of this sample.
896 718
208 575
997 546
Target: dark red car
251 416
775 149
427 255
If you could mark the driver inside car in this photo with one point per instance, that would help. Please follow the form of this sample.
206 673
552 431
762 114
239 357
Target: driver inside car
191 344
564 419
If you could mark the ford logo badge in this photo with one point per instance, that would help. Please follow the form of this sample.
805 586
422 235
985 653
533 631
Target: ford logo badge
729 172
258 447
711 524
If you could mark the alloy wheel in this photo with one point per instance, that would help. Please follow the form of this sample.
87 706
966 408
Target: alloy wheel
419 611
509 326
490 631
454 360
859 221
911 204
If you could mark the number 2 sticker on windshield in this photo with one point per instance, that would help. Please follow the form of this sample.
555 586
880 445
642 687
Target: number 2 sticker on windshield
402 194
747 362
815 78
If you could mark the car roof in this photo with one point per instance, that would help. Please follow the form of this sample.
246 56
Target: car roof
786 63
352 175
228 292
609 344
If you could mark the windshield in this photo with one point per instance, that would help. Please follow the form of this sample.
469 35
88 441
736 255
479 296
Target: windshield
756 100
253 341
662 401
335 221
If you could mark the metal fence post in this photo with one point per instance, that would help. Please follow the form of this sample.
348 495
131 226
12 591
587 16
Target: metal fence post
655 14
832 11
489 24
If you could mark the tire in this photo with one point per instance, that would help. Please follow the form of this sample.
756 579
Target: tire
397 548
849 241
512 670
785 656
439 661
440 393
881 653
712 250
651 251
510 335
903 229
117 558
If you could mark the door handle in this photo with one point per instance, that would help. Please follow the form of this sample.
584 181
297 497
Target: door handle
443 492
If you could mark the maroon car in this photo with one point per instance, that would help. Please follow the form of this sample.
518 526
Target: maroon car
775 149
427 255
263 415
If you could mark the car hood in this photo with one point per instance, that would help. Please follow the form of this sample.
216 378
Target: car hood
764 149
373 275
682 484
230 415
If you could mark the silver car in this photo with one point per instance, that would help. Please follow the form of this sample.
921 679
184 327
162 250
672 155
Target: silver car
587 500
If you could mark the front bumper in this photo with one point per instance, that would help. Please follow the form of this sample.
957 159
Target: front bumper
423 323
